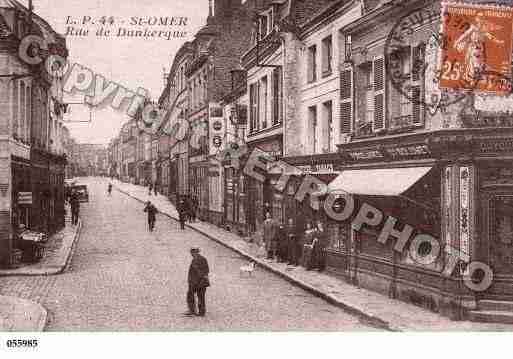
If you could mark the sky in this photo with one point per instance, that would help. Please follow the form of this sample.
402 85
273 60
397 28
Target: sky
130 62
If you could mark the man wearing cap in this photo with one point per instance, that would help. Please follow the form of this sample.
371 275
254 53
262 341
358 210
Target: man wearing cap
198 283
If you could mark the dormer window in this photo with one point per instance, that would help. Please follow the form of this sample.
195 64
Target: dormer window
265 23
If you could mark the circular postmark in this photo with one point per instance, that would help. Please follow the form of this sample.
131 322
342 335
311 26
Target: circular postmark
412 51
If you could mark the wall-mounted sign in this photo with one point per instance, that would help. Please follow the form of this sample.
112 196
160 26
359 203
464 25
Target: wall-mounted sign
217 141
317 168
496 145
366 155
390 153
217 127
408 151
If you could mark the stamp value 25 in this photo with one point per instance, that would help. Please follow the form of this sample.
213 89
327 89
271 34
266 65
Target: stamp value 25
477 48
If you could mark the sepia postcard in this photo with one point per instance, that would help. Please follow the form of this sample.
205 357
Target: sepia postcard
255 166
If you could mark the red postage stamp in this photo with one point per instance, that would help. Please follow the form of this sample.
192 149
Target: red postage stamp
476 48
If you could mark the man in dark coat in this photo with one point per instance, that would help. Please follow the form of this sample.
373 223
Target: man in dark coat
292 240
281 238
181 208
74 202
152 215
198 283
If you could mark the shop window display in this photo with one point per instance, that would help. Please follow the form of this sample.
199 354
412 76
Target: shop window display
501 236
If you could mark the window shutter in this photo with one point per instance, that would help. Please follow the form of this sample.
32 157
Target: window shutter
417 84
378 73
346 100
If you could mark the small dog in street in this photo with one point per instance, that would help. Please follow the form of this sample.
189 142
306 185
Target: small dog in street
249 268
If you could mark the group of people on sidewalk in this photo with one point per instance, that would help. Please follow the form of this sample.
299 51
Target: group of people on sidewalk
292 245
187 209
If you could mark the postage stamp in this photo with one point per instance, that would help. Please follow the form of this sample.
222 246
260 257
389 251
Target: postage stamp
477 47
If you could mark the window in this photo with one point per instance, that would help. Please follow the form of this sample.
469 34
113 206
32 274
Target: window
312 64
263 101
346 100
405 104
369 96
312 119
327 130
23 112
28 108
15 107
327 56
277 99
253 99
263 27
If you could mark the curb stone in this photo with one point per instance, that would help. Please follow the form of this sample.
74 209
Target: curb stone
348 307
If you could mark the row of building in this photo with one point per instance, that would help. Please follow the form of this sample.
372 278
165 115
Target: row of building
308 82
33 138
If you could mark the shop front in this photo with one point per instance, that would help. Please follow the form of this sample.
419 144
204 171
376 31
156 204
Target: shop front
260 195
455 186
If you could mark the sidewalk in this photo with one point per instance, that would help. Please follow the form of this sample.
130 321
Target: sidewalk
59 250
380 310
21 315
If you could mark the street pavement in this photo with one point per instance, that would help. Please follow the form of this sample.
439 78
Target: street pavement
124 278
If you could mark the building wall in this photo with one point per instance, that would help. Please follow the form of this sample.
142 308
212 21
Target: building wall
325 88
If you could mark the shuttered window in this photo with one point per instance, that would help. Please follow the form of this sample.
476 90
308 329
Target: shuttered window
346 100
312 64
417 84
378 72
277 96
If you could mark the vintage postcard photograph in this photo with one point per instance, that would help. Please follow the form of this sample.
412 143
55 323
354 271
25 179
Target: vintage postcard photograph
255 166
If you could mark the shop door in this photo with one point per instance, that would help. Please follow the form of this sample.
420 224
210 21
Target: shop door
500 233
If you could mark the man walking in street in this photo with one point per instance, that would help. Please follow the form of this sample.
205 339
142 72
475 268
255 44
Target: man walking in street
152 212
198 283
182 213
150 187
109 189
155 188
75 207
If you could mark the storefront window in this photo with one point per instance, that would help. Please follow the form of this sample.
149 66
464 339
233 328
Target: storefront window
501 234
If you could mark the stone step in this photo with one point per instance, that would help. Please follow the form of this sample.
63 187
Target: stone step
495 305
491 316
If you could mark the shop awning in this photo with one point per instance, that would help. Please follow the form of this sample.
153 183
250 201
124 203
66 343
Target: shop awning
378 182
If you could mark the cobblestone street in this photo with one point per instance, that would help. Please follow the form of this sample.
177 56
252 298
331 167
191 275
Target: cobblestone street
124 278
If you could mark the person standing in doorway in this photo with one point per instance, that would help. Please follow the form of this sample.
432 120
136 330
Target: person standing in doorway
291 243
198 283
319 247
75 207
281 239
152 215
269 235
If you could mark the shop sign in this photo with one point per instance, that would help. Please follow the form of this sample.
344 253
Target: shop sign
25 198
213 174
318 168
217 141
408 151
217 127
496 145
366 155
394 153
